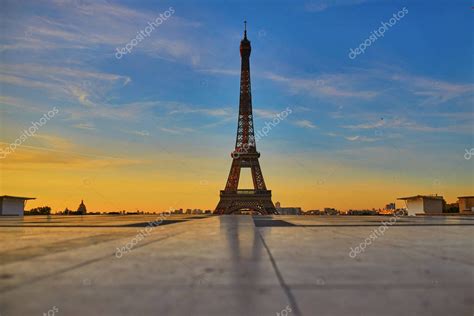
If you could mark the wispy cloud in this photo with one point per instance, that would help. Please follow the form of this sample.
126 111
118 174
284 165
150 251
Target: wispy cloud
370 125
53 142
176 130
25 105
327 85
221 71
358 138
333 86
404 124
353 138
142 133
266 114
85 126
181 108
52 151
100 26
305 124
433 91
89 88
125 112
321 5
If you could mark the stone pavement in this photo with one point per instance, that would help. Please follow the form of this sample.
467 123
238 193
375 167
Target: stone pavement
236 265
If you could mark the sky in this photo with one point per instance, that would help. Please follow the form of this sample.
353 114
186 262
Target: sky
153 128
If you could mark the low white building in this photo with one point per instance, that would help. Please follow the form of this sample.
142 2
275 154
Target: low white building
466 203
13 205
427 204
287 210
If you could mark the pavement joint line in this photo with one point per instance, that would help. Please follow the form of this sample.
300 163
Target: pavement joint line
293 226
367 225
285 287
82 264
380 286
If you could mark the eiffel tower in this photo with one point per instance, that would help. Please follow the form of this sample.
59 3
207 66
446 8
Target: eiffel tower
245 155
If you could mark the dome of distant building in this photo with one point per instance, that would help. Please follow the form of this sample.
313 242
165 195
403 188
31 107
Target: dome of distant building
82 208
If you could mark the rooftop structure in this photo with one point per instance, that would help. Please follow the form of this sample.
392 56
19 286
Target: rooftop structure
466 203
423 204
13 205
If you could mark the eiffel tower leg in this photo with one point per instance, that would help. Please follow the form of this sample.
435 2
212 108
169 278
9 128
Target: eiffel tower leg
234 176
257 176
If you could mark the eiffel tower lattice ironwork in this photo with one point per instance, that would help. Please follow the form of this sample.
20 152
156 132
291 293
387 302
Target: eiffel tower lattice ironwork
245 155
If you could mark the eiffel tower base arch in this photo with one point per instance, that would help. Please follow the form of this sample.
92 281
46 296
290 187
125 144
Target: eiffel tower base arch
259 201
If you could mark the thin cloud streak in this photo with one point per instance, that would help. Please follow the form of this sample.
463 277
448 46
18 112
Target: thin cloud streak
305 124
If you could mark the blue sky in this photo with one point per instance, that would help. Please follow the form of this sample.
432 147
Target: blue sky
402 112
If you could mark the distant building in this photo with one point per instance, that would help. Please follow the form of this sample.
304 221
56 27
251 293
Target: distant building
313 212
330 211
362 212
326 211
287 210
13 205
427 204
390 206
451 208
82 210
389 209
466 203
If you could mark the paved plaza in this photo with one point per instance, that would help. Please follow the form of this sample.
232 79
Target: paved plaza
236 265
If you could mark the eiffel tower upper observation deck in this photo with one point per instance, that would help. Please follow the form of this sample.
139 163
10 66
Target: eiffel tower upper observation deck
245 154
